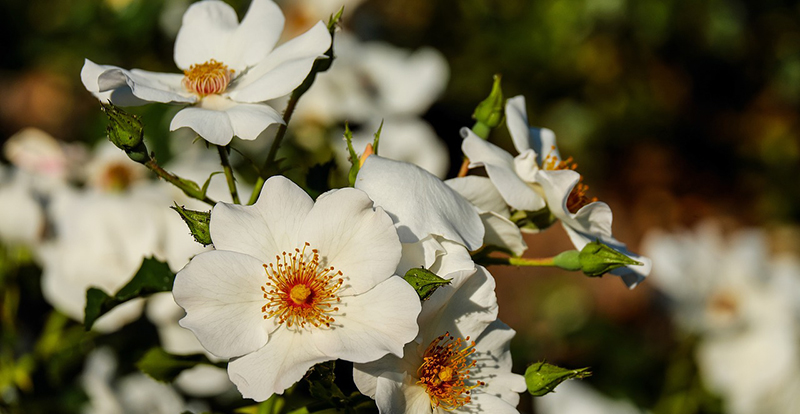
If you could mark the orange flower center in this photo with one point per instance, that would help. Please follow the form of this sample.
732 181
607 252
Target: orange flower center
299 291
207 78
577 197
445 370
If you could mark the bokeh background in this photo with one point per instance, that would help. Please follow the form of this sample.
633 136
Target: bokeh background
676 111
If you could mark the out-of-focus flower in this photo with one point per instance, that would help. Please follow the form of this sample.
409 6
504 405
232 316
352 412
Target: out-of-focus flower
294 283
742 304
22 218
230 69
133 394
460 362
575 397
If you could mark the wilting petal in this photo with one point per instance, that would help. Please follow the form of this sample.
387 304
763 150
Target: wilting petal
145 85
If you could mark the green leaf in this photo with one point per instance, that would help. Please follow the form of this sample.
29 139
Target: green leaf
197 221
165 367
152 277
354 161
542 378
424 282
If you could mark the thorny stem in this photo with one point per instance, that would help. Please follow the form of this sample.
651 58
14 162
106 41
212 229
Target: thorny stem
191 191
226 167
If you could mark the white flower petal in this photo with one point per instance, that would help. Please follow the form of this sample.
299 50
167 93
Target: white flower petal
502 232
438 255
145 85
211 30
464 308
366 375
372 324
501 170
486 403
284 69
356 239
481 192
401 396
541 140
249 120
221 293
493 356
419 203
121 95
276 366
268 227
214 126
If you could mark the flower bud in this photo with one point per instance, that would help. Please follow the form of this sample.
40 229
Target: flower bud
126 132
489 113
424 282
597 259
542 378
198 222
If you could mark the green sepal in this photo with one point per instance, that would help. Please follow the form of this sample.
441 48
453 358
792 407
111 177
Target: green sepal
377 138
542 378
354 161
198 223
165 367
424 282
153 276
598 258
489 113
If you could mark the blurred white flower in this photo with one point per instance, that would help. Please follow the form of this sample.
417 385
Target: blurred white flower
230 69
460 362
743 306
22 219
575 397
294 283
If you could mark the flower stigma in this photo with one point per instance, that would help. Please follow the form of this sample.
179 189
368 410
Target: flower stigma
445 370
577 197
299 291
207 78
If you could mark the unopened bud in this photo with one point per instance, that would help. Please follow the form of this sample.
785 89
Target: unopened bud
198 223
126 132
424 282
542 378
489 113
597 259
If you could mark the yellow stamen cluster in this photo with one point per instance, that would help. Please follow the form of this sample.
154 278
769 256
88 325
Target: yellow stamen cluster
577 197
117 177
299 291
445 370
207 78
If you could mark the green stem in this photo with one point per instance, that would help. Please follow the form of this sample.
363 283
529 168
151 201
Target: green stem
226 167
191 191
518 261
273 150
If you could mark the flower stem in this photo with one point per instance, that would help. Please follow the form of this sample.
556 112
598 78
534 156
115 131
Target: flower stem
189 188
519 261
226 167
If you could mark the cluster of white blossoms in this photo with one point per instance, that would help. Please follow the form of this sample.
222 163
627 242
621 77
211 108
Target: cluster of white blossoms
290 281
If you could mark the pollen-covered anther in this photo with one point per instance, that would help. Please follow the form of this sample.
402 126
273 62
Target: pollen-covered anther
207 78
299 291
577 197
445 372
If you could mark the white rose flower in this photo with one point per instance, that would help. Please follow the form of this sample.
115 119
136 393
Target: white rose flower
294 283
229 70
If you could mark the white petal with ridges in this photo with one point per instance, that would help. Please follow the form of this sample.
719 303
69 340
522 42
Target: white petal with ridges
250 120
373 324
221 293
121 95
214 126
267 228
419 203
146 85
481 192
284 69
276 366
401 396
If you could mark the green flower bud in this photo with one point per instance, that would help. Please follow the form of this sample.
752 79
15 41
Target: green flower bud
597 259
542 378
489 113
126 132
424 282
198 222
